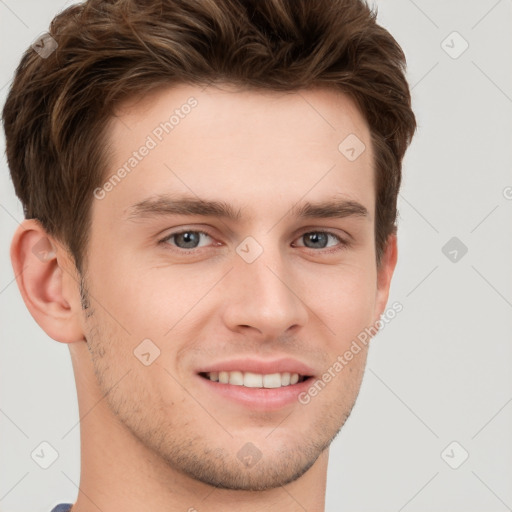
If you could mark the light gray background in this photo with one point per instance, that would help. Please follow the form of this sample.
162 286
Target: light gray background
439 372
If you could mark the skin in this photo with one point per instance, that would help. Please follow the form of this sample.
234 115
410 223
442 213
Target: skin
153 437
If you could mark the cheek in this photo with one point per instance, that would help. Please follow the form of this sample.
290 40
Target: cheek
344 298
148 301
132 363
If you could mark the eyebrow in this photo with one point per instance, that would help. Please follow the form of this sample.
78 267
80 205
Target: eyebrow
164 205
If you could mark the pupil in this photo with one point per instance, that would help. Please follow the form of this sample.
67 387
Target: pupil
190 239
317 237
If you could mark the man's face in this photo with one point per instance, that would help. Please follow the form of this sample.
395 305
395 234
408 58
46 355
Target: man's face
264 291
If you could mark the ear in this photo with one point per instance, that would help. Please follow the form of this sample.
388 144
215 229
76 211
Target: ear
48 282
384 275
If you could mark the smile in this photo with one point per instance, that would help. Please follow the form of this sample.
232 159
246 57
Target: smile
255 380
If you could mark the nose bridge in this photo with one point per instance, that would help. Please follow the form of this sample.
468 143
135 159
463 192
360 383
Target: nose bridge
261 293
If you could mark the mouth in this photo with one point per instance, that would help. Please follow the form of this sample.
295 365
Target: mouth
255 383
255 380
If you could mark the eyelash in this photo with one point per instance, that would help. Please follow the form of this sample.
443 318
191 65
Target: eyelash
343 244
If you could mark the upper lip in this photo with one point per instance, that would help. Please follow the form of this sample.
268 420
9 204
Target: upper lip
265 367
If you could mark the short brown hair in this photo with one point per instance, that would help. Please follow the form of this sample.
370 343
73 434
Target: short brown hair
58 107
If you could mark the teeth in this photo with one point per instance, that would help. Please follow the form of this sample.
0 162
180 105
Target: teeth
254 380
236 378
272 380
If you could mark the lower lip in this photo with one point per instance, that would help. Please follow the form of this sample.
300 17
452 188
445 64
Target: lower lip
264 399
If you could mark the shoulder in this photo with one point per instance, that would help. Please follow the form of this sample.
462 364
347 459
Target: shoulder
62 507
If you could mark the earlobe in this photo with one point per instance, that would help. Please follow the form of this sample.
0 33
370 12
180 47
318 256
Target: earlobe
46 282
385 273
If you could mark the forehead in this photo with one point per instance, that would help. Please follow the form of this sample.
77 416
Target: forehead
319 109
241 145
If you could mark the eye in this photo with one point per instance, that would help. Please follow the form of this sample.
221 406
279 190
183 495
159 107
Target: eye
187 239
193 239
321 240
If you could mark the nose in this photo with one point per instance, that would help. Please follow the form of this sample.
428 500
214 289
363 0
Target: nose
264 296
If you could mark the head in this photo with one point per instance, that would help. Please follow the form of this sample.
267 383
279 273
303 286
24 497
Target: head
218 184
